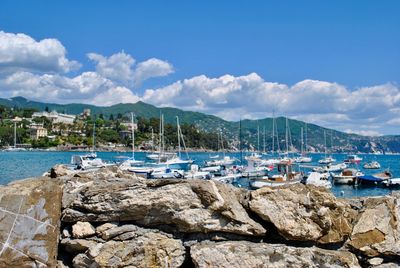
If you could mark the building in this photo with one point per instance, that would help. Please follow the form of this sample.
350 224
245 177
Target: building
55 117
125 134
129 125
37 131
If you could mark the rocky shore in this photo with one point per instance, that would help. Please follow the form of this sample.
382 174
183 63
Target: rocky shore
109 218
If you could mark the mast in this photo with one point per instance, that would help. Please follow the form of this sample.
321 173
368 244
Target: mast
152 139
94 134
133 137
264 139
302 142
258 138
325 142
273 132
160 139
306 139
15 133
179 138
287 137
240 141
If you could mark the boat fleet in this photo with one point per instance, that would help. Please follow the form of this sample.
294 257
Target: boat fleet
258 169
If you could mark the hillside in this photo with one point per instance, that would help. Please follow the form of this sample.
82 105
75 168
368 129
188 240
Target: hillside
337 140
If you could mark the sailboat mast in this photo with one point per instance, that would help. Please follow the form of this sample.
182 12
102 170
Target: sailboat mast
325 142
15 134
273 133
264 138
287 137
94 134
302 142
179 138
152 139
306 136
240 141
133 137
258 138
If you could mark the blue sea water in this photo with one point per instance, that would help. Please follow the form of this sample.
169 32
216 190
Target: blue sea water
19 165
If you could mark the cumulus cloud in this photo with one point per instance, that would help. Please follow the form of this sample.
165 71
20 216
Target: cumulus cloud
117 67
120 67
22 52
151 68
325 103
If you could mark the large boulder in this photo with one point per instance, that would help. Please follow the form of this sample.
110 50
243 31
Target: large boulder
190 206
246 254
377 229
144 249
304 213
29 223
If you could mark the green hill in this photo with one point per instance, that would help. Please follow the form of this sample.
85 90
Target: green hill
337 140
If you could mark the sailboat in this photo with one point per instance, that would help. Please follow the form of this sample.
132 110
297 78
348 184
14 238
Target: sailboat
274 161
161 155
303 158
131 161
14 148
90 160
225 161
177 161
255 156
326 159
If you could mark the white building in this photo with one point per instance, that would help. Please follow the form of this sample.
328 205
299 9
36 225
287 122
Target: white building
55 117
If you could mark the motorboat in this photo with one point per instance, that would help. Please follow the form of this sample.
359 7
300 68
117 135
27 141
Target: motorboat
255 169
162 157
393 183
227 178
303 159
327 160
375 179
195 173
167 173
372 165
347 176
226 161
129 163
330 168
353 159
286 176
319 179
87 161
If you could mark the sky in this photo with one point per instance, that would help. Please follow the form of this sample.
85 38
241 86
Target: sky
333 63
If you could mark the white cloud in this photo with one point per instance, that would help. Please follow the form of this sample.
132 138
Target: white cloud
115 95
328 104
371 133
151 68
22 52
117 67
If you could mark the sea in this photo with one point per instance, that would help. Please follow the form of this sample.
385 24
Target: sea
26 164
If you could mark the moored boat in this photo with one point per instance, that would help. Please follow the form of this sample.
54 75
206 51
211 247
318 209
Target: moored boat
347 176
372 165
353 159
319 179
374 180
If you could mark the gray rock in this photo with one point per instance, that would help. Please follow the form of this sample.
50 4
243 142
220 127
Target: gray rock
246 254
377 229
191 206
29 223
375 261
77 245
82 229
304 213
82 261
104 227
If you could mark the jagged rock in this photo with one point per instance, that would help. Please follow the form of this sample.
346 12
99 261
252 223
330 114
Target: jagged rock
82 229
377 229
77 245
65 233
191 206
29 223
104 227
148 250
82 261
246 254
304 213
59 171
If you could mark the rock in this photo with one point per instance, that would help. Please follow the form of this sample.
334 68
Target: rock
246 254
82 229
77 245
29 223
375 261
104 227
148 250
377 229
304 213
59 171
189 206
65 233
82 261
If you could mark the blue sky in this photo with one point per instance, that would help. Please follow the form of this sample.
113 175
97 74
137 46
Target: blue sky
350 44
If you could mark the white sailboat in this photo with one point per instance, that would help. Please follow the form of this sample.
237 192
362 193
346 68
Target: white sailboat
303 158
326 159
14 148
131 161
